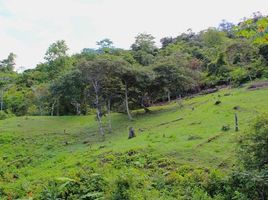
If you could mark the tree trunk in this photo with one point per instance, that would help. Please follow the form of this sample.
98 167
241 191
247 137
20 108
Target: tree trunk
109 115
2 99
168 95
58 107
98 110
250 78
126 103
52 107
77 107
78 110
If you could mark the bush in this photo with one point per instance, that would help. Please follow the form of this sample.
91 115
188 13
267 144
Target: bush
252 181
239 76
84 186
253 145
3 115
122 189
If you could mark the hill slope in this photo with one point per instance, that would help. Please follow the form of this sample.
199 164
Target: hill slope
189 132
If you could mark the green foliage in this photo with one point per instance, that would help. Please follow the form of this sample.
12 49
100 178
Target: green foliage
17 100
239 76
3 115
122 189
56 50
144 48
250 182
254 29
229 55
254 145
213 38
174 156
8 65
160 163
85 186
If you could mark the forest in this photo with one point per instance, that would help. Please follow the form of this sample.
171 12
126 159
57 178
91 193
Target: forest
115 87
112 79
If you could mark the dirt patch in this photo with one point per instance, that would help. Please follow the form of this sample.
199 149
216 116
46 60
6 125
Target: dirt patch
258 85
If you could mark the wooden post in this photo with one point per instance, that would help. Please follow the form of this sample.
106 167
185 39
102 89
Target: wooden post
236 122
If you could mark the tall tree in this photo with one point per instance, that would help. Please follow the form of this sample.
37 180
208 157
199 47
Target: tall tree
8 64
144 48
94 73
56 50
127 75
105 43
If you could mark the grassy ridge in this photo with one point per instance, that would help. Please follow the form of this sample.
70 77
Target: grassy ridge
37 149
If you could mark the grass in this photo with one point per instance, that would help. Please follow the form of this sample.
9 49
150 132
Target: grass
34 150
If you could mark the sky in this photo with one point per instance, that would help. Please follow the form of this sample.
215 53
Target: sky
28 27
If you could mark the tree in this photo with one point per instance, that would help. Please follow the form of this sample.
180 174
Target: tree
213 37
111 91
166 41
8 64
226 27
68 91
144 42
254 29
241 53
127 75
105 46
41 94
264 52
56 50
251 179
172 75
144 48
105 43
94 73
145 78
253 146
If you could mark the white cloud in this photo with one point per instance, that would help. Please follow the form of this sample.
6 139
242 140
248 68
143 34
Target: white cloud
28 27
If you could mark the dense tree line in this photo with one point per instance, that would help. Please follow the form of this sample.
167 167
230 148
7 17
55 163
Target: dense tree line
112 79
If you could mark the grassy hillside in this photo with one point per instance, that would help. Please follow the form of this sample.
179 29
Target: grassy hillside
34 150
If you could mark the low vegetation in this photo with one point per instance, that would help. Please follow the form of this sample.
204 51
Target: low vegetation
178 152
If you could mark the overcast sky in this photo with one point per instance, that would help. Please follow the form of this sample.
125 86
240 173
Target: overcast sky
28 27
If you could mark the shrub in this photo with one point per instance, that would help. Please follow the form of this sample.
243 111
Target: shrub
252 181
3 115
253 145
84 186
122 189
